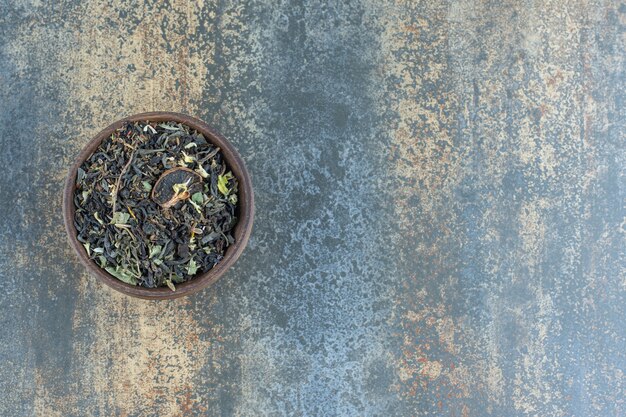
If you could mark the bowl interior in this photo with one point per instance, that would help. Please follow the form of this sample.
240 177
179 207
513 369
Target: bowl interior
241 231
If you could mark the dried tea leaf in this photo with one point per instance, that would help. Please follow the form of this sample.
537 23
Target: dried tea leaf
155 250
122 274
180 188
196 206
168 127
119 217
80 175
188 159
210 238
177 279
192 268
202 172
222 183
146 186
198 198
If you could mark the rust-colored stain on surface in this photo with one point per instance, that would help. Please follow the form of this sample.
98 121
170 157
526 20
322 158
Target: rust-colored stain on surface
439 226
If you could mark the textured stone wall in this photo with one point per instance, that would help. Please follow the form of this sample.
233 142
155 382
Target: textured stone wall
440 224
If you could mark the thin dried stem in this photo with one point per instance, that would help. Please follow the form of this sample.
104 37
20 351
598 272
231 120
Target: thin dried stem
119 179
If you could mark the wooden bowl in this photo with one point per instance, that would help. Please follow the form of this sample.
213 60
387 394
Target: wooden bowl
241 232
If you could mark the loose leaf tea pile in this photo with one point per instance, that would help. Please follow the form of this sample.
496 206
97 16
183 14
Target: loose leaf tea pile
155 204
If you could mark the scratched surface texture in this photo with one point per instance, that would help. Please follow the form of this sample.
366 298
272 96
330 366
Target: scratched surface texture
440 224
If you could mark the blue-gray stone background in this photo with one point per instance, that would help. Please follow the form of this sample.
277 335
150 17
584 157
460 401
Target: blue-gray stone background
440 224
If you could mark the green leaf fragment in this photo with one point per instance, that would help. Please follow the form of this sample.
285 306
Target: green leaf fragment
155 250
188 159
192 268
168 127
97 216
86 245
119 217
222 183
170 284
80 175
196 206
202 172
122 274
198 198
177 279
182 187
146 186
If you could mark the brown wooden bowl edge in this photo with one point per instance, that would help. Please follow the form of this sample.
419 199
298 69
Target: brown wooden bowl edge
243 229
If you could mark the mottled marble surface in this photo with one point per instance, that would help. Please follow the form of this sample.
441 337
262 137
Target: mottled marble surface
440 225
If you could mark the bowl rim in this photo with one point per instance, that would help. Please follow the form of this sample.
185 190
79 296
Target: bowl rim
241 232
